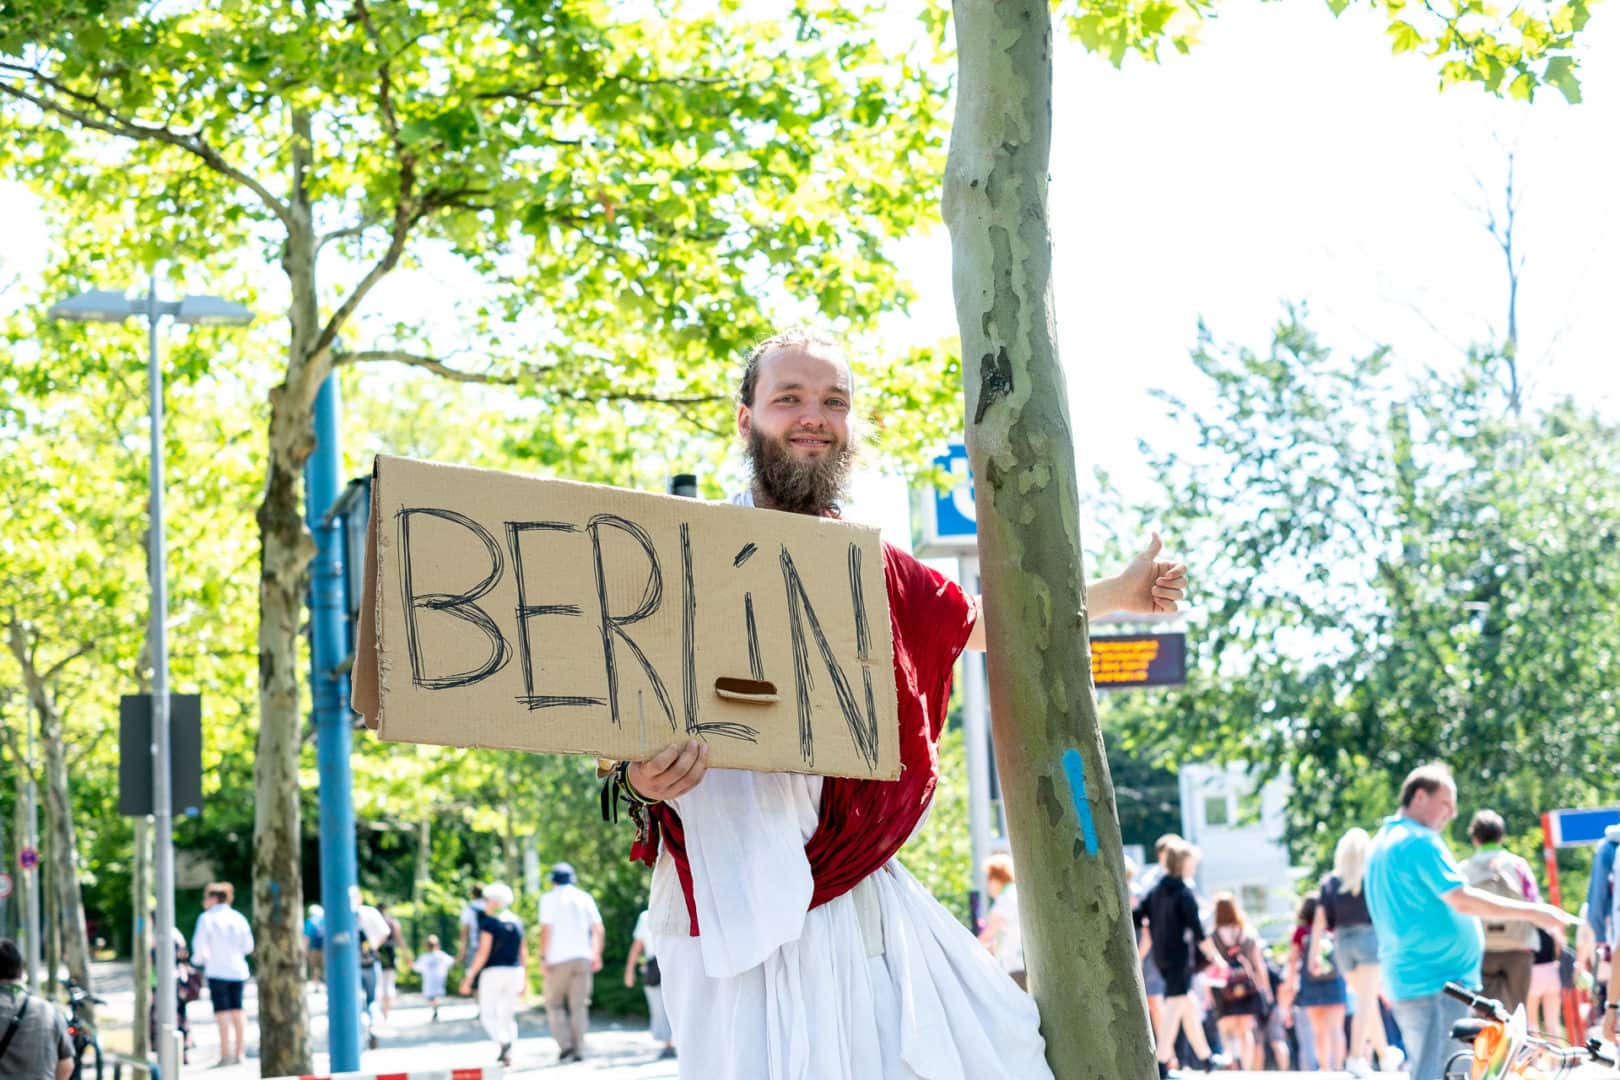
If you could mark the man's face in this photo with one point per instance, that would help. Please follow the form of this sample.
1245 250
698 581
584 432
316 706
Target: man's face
798 432
1435 808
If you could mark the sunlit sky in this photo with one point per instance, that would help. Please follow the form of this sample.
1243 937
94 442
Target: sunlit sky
1291 157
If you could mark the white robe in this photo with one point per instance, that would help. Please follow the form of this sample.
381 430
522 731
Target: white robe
771 991
881 983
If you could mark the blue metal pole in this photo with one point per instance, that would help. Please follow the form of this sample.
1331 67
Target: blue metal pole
334 733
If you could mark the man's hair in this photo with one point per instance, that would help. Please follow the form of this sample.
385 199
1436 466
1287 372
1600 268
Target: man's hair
797 336
1165 841
1487 828
999 868
1428 779
433 941
11 961
1307 909
222 891
1176 854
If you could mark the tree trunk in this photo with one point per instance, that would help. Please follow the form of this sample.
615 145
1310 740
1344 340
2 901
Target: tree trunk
140 889
1064 828
419 880
49 912
69 923
285 553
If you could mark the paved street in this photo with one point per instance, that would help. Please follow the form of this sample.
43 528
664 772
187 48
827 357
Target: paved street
410 1041
618 1049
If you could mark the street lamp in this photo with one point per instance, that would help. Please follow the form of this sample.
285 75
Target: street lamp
102 305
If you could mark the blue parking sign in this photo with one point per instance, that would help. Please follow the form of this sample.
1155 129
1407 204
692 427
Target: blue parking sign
949 525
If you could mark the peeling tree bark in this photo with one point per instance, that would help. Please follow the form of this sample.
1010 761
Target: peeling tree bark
65 937
285 553
1064 828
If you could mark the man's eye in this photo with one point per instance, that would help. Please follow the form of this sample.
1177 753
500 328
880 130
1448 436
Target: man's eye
787 399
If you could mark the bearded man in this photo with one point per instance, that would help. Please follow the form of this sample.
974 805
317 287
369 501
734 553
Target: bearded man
790 940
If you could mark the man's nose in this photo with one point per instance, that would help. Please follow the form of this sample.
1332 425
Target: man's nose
813 418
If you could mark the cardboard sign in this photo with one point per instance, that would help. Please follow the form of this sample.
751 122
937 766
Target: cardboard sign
556 617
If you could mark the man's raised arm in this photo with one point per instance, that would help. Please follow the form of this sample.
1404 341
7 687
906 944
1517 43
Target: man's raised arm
1147 586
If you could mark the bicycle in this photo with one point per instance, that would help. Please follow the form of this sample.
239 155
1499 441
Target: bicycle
1501 1046
81 1031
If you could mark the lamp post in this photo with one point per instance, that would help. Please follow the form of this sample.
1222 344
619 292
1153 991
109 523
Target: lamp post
102 305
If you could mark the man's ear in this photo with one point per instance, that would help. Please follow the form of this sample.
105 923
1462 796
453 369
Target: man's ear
745 421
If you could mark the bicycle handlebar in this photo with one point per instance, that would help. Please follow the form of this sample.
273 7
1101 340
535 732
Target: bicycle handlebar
1488 1008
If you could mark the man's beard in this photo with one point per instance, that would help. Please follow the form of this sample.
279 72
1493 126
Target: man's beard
799 485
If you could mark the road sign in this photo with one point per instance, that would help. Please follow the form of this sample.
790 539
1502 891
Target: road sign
1576 828
28 858
949 524
1120 661
5 886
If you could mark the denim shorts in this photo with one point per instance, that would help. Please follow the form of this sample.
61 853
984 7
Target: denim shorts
1355 946
1152 980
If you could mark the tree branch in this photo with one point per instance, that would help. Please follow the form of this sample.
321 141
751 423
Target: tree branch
340 234
385 84
108 122
439 367
56 669
429 363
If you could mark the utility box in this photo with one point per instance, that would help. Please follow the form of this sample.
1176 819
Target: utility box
135 754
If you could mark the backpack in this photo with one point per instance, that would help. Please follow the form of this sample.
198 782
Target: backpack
1493 872
1239 980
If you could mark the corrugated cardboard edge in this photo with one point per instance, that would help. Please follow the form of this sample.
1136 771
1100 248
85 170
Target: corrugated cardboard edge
365 692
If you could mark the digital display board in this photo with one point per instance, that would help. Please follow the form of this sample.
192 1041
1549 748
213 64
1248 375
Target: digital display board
1121 661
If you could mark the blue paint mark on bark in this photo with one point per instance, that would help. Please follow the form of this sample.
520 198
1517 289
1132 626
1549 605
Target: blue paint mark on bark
1074 767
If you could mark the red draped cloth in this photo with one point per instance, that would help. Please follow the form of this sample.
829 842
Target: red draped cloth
863 823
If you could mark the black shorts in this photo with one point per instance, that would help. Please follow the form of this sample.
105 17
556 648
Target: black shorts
225 994
1177 982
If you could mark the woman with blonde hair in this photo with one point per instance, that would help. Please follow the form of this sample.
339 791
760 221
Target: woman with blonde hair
1342 912
1243 1000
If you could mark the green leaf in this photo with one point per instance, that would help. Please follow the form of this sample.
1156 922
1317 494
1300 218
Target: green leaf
1404 37
1560 73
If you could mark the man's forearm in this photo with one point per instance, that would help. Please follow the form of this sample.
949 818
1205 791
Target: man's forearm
1103 597
1471 901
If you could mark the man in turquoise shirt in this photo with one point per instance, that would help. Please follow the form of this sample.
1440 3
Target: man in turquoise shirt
1427 917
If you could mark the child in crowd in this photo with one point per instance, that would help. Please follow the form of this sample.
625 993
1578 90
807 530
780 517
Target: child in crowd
434 967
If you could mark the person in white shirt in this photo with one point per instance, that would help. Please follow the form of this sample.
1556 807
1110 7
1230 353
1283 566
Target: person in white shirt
571 937
641 949
374 932
1002 933
222 942
434 967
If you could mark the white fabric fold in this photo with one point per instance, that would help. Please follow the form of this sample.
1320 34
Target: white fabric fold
812 1004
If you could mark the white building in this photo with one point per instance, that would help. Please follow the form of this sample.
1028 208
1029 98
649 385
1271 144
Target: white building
1239 828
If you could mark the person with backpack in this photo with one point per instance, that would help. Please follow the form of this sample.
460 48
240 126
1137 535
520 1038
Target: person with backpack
1318 987
34 1043
642 961
1510 944
1244 1000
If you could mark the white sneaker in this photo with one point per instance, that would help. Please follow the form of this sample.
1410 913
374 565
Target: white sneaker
1358 1067
1391 1059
